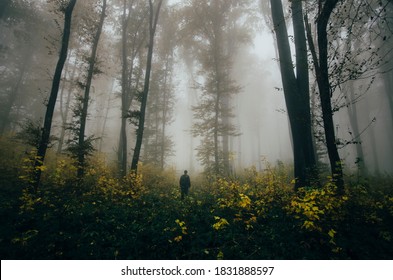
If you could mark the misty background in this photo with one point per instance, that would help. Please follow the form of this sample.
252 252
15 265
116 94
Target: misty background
29 38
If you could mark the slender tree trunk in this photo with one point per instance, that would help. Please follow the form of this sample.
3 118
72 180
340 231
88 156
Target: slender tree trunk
108 106
374 149
218 101
190 102
325 94
62 113
122 154
125 90
388 83
152 29
85 105
66 110
353 120
127 94
225 136
164 114
53 96
215 135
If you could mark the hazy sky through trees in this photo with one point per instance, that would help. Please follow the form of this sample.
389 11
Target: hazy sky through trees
259 108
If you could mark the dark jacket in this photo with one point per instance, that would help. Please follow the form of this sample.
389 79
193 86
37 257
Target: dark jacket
185 181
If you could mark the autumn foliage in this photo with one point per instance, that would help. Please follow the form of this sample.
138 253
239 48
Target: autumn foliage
256 215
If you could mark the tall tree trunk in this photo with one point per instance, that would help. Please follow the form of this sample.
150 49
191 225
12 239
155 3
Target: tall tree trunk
43 146
296 91
218 99
125 90
108 106
64 111
353 120
303 100
153 19
164 111
388 84
322 74
127 94
374 149
225 136
215 132
122 153
191 96
85 105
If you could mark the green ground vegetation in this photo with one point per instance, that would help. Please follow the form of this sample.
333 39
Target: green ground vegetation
256 215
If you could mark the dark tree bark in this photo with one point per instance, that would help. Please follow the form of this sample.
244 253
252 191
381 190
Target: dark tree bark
153 19
43 146
122 153
303 98
322 76
131 48
296 91
85 105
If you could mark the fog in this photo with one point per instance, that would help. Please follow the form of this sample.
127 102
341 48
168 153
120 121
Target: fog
259 110
259 107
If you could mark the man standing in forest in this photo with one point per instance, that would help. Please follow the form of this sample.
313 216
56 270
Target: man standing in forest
185 184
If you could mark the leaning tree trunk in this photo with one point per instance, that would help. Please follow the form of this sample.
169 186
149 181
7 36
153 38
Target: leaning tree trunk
139 138
43 146
85 105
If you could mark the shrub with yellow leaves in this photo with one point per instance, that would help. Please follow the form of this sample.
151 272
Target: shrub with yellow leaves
220 223
318 210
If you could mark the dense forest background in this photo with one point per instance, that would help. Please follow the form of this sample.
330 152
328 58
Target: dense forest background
281 111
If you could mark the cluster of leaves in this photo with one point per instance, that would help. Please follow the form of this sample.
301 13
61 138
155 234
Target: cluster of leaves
256 216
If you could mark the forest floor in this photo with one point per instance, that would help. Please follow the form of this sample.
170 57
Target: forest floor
255 216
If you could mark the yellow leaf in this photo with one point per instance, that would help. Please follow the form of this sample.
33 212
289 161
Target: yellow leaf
220 255
332 233
308 225
178 238
221 223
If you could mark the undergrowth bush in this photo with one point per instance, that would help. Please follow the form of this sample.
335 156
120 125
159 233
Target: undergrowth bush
256 215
